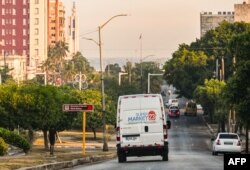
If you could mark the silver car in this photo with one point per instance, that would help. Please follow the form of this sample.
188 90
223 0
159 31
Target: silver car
226 143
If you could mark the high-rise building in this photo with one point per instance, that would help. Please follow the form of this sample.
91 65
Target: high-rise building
242 12
209 21
56 21
38 37
14 35
73 32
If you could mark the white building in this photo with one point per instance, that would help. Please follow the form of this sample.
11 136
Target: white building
38 42
73 32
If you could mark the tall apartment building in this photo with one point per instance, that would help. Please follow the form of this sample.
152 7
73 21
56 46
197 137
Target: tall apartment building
73 32
38 37
56 21
242 12
209 21
14 32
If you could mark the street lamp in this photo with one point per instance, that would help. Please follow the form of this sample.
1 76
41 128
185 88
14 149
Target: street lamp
105 144
141 59
149 74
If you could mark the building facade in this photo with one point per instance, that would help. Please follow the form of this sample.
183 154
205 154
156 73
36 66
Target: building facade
209 21
242 12
14 36
38 37
73 32
56 22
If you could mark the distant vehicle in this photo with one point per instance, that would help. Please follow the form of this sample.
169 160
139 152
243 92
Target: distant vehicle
199 108
174 111
172 102
226 143
191 109
141 127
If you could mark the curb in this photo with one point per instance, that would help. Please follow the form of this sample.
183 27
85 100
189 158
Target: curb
70 164
209 127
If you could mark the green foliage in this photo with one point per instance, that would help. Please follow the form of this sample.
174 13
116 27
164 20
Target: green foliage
3 147
209 95
237 91
14 139
186 70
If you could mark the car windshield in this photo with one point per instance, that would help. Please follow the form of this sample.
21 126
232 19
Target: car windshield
228 136
173 108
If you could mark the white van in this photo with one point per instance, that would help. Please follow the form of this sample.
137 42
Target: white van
141 126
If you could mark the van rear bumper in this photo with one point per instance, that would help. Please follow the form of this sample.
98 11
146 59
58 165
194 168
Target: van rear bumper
142 151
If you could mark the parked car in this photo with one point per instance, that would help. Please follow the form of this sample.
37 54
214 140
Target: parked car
174 111
226 143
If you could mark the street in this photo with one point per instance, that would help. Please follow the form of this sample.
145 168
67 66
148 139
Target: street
189 148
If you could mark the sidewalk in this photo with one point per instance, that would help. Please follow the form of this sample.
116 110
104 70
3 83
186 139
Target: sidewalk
213 128
67 154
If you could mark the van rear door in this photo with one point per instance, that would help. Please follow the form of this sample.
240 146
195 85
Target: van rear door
141 121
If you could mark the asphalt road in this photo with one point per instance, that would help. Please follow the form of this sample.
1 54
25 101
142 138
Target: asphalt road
189 144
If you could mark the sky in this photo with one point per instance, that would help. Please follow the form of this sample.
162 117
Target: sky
163 24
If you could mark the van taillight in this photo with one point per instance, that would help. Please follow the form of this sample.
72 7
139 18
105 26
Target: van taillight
218 142
239 143
165 135
118 134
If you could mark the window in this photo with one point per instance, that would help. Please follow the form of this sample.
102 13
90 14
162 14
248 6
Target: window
13 52
3 32
24 2
36 21
36 11
24 52
13 32
14 21
24 11
24 42
14 2
3 2
36 42
14 42
14 11
24 21
36 52
3 22
24 31
36 1
36 31
3 11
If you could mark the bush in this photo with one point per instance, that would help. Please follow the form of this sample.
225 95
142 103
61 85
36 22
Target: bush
14 139
3 147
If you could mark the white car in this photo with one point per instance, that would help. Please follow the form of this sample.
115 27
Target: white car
226 143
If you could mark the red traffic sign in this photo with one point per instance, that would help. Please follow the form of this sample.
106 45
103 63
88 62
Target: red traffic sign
78 108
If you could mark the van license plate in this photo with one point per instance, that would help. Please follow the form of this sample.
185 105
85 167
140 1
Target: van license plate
132 138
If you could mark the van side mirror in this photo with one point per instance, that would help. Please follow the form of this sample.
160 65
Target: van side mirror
168 124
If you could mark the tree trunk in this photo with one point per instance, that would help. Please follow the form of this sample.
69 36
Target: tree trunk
94 131
45 137
223 126
247 138
31 135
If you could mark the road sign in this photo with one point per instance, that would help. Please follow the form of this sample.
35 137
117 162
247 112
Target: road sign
78 108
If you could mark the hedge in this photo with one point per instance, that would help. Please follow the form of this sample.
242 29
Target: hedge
14 139
3 147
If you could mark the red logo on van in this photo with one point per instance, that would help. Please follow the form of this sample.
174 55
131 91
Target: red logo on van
151 115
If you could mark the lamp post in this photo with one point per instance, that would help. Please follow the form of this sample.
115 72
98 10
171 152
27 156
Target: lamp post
141 59
105 144
149 74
